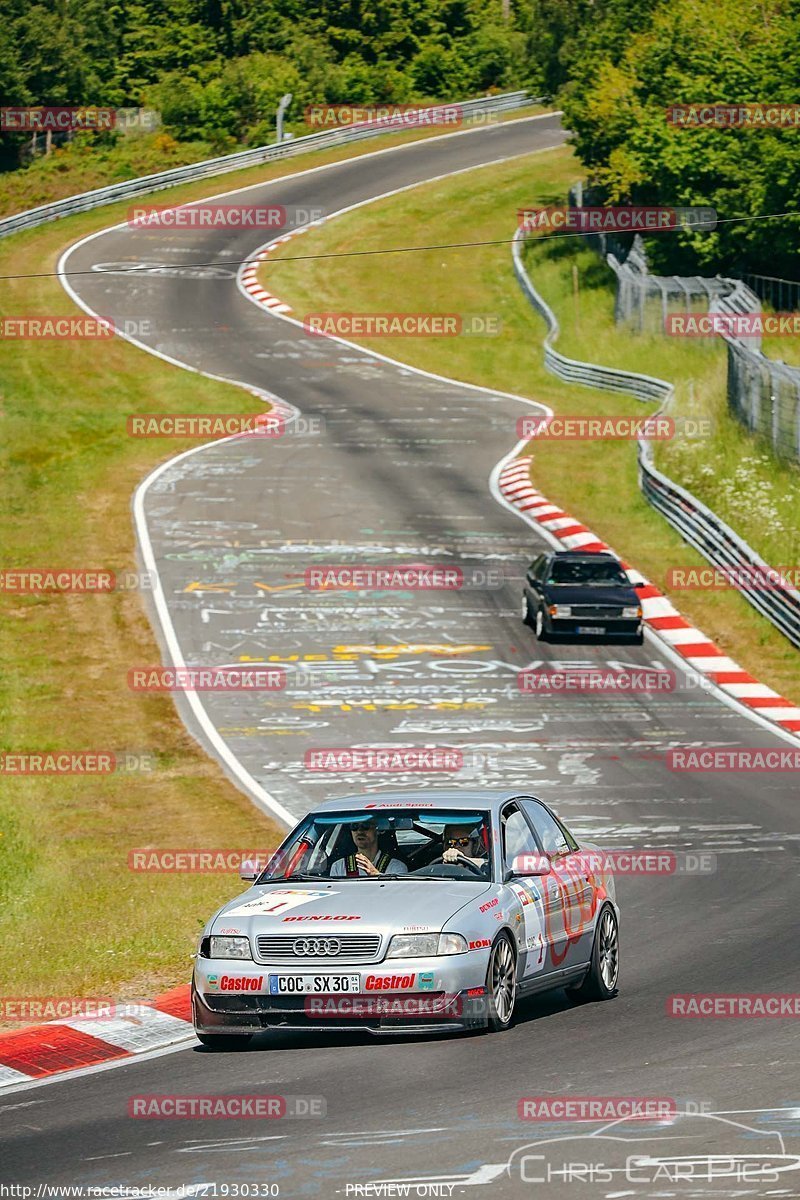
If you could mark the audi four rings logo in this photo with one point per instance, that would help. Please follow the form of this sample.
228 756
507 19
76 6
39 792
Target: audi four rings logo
317 947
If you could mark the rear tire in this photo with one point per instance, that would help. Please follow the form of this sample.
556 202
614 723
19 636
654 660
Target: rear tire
601 978
223 1041
501 985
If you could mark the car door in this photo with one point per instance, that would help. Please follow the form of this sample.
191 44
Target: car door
571 913
519 838
533 580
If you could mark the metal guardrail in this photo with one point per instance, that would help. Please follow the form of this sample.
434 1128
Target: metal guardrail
717 542
696 523
326 138
608 379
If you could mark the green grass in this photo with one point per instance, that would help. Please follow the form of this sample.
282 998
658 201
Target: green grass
88 925
85 164
595 481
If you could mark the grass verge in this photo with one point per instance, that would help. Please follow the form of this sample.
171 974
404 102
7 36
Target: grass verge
594 481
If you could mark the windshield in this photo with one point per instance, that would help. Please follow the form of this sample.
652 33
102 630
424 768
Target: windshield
406 843
586 573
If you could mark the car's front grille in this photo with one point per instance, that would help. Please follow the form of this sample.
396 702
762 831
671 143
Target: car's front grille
319 947
595 612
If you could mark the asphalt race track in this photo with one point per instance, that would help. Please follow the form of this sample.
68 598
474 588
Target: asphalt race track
396 469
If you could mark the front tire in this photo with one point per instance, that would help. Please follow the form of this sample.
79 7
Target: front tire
501 985
601 978
526 611
223 1041
541 632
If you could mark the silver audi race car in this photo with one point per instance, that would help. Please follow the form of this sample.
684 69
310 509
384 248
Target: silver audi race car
422 911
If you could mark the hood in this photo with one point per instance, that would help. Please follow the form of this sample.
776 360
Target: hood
359 905
569 593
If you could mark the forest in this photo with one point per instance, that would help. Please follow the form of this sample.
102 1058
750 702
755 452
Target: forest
215 71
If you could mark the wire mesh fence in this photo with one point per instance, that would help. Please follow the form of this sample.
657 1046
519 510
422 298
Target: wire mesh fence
783 295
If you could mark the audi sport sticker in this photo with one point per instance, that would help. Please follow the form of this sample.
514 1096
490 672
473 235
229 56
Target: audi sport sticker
278 901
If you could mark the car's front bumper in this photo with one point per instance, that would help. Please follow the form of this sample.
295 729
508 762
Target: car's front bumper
602 627
447 993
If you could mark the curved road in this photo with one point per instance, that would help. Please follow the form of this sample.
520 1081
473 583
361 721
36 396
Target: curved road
398 470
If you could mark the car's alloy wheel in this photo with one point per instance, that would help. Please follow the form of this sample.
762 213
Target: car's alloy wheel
501 983
526 611
608 938
540 632
603 974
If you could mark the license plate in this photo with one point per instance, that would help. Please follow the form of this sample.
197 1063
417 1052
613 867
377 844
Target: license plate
591 629
302 985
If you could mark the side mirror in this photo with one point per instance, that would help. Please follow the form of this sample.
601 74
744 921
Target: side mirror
250 869
531 864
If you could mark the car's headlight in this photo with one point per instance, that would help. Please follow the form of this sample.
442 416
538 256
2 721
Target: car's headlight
632 613
560 610
229 947
426 945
